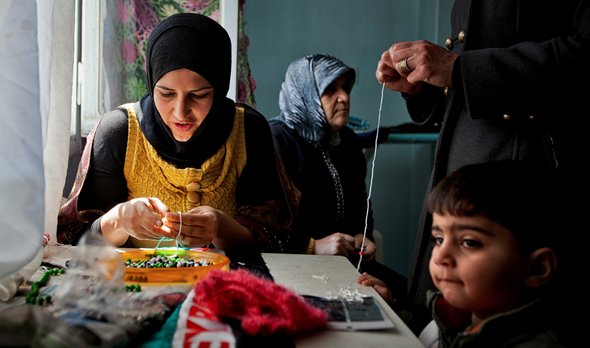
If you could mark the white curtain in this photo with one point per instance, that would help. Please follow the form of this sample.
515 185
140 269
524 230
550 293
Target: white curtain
36 68
56 65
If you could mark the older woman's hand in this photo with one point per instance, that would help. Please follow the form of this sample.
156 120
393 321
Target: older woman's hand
335 244
370 249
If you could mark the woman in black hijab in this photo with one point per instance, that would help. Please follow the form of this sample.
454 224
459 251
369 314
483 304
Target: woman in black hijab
184 162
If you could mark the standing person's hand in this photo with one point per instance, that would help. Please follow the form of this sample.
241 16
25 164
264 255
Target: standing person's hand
406 66
140 218
388 74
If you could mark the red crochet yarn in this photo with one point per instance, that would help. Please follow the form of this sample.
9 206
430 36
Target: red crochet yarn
264 308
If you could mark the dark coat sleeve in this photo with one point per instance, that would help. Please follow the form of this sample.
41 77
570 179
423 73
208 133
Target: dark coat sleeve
536 53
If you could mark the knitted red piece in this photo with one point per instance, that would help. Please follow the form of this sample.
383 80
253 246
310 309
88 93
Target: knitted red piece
264 308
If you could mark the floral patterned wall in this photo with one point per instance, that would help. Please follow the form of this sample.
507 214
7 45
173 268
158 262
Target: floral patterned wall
127 26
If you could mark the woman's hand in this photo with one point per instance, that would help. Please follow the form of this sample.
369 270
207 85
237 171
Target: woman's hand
335 244
197 227
139 217
206 225
370 247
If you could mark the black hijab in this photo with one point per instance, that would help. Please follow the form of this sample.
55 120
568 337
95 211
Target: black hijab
200 44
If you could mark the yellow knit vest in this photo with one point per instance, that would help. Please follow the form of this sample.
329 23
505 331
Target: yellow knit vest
214 184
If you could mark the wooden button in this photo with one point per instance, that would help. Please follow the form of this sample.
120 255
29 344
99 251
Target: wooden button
193 186
193 197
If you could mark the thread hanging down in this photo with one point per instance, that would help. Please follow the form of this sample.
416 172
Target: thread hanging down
179 229
370 183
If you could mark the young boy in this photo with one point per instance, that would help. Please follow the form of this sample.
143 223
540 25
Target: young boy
494 259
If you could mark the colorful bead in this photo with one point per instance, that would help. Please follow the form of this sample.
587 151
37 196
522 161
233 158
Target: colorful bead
33 297
161 261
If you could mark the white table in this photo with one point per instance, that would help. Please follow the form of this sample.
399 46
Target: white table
323 275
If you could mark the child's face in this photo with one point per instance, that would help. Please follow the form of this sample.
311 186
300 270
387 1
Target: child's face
477 265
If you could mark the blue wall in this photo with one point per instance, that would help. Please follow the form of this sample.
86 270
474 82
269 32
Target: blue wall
357 32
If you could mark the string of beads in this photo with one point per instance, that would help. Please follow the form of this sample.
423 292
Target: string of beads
33 296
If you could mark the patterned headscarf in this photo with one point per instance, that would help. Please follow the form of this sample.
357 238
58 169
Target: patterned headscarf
306 80
200 44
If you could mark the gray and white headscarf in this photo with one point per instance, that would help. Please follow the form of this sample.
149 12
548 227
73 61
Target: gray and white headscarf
306 80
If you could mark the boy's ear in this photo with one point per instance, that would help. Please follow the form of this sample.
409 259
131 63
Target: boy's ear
542 266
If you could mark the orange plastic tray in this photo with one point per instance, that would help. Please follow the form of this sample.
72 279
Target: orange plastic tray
186 275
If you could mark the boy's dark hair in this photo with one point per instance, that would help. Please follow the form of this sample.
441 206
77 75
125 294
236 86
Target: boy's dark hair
512 193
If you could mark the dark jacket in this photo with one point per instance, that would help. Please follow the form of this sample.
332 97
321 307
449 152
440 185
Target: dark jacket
534 325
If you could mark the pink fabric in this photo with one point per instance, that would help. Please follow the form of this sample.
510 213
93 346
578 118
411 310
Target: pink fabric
263 307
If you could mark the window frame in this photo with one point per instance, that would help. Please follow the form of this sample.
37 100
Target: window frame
89 68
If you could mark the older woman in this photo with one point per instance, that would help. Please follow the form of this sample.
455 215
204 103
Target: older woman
324 159
184 163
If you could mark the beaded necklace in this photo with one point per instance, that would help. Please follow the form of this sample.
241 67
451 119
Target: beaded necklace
33 296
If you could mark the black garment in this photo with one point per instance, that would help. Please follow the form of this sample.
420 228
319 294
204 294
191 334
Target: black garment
534 325
324 209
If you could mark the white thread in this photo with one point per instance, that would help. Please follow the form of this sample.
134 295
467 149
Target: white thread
323 278
178 243
179 230
371 182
